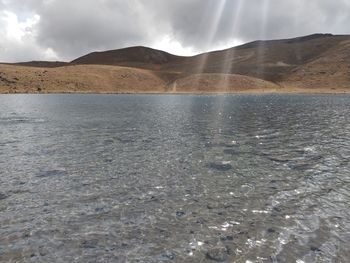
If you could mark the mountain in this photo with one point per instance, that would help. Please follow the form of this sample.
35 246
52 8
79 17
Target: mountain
139 57
269 60
314 63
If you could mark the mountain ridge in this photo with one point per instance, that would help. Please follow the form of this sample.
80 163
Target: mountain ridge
281 62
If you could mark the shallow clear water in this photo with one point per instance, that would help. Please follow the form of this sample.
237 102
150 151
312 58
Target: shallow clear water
108 178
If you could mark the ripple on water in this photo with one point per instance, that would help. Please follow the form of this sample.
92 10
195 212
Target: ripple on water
3 196
20 120
162 178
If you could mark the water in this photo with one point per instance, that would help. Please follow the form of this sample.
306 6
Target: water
104 178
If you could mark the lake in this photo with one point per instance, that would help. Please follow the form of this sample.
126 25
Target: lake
171 178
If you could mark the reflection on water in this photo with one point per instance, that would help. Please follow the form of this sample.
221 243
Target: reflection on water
97 178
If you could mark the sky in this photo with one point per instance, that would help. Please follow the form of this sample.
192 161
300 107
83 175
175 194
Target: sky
67 29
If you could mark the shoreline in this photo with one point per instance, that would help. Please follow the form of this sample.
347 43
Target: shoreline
248 92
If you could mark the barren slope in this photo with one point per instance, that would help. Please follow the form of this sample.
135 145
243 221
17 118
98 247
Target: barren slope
211 82
270 60
114 79
329 71
315 63
82 78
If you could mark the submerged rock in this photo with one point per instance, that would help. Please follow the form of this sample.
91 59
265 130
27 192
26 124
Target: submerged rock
52 173
278 159
218 254
89 244
227 238
231 152
99 209
315 249
180 214
169 255
220 166
271 230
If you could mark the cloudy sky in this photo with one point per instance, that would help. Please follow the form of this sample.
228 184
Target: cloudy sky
66 29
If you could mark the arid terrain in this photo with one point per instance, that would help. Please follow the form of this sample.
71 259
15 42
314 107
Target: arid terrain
317 63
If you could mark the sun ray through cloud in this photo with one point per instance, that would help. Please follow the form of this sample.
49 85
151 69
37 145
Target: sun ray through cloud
229 56
212 31
260 56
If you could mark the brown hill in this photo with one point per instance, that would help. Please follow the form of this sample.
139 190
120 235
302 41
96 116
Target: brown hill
115 79
141 57
269 60
329 70
315 63
79 78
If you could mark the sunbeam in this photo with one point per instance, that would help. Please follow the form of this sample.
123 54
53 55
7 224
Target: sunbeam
298 7
212 31
229 56
260 56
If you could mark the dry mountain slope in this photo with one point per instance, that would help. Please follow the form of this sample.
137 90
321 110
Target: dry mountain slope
221 83
116 79
331 70
79 78
315 63
269 60
322 56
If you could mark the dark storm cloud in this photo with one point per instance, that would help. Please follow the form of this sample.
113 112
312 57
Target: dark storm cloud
192 21
75 27
72 28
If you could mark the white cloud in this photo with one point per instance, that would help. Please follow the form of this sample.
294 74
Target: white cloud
171 45
18 42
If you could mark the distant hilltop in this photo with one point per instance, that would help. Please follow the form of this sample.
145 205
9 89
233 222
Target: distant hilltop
314 63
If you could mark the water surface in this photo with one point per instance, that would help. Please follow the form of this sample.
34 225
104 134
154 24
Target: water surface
122 178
